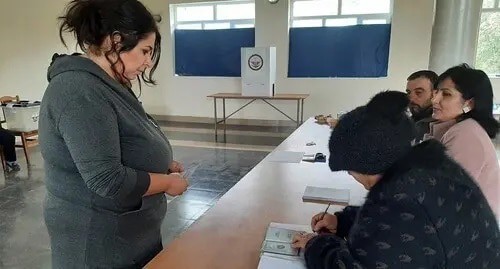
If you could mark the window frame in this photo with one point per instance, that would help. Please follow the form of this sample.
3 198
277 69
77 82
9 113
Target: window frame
232 22
324 18
494 9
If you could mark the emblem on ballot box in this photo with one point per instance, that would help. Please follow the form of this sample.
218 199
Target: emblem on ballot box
255 62
35 117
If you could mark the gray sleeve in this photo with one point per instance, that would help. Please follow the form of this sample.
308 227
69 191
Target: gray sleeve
89 127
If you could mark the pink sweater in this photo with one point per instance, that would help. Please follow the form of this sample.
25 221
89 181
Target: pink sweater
470 146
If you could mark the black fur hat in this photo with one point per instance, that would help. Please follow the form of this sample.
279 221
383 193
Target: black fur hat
370 138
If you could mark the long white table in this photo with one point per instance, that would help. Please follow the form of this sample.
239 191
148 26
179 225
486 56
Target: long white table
230 234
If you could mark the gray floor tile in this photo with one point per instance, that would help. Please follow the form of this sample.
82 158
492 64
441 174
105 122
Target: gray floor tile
188 210
173 224
212 185
200 196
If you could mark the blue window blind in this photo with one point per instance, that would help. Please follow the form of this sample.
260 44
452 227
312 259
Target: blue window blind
348 51
211 52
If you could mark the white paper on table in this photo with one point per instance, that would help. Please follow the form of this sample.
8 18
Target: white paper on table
268 261
286 157
294 227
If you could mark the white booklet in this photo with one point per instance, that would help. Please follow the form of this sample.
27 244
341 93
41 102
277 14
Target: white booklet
326 196
277 251
269 261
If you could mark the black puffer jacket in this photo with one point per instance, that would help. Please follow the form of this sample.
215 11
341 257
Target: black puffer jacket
426 212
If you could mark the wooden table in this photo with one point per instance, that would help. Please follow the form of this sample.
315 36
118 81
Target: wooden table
299 98
230 234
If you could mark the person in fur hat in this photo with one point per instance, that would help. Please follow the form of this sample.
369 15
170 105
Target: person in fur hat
422 210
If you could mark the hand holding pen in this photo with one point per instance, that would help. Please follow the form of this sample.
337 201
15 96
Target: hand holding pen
324 222
321 223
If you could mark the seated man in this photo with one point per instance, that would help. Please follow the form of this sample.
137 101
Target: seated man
422 210
420 89
8 141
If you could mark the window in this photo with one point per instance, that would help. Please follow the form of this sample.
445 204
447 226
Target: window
339 38
331 13
214 15
208 37
488 46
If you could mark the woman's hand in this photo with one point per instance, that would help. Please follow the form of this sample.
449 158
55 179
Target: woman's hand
177 184
322 222
176 167
300 240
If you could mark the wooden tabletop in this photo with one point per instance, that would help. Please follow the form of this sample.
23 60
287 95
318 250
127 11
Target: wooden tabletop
284 96
230 234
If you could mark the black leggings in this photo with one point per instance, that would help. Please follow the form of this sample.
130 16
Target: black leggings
7 141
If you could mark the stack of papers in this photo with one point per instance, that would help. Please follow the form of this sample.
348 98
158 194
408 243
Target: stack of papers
321 195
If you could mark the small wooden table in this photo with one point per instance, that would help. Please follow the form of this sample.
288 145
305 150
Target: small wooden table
230 234
299 98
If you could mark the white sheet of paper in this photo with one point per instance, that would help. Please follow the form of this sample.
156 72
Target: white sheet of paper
294 227
268 261
286 157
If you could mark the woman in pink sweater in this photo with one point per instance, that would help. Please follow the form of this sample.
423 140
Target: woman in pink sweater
463 108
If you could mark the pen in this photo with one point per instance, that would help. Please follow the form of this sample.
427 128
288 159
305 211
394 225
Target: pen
324 229
326 210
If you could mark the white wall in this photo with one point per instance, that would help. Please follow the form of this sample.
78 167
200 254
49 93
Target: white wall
410 49
29 37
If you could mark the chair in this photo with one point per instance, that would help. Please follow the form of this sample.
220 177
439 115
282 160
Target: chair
28 139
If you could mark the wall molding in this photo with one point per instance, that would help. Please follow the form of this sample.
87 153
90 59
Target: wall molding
231 121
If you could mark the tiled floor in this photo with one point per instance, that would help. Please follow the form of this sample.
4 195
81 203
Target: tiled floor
212 168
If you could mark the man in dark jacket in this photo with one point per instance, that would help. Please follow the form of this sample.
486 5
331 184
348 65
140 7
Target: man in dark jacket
422 211
420 89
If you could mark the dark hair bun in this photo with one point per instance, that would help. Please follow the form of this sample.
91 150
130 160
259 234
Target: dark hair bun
388 104
83 18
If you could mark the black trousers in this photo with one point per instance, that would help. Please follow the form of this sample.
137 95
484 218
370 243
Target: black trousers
7 141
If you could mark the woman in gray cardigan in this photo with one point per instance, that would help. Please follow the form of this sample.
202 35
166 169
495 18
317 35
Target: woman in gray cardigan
107 162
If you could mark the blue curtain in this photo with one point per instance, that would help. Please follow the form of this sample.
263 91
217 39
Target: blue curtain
349 51
211 52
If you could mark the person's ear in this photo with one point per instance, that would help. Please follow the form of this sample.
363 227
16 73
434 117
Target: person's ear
116 37
111 41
